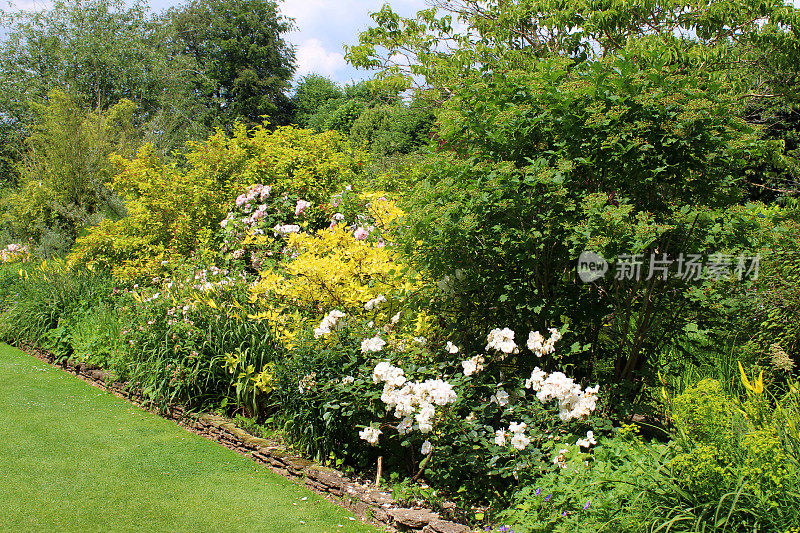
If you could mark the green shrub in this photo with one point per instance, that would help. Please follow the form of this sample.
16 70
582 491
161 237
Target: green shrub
617 157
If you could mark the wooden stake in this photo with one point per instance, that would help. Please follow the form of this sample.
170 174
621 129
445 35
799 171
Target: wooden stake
380 471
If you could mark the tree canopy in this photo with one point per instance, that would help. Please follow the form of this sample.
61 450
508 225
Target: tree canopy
244 65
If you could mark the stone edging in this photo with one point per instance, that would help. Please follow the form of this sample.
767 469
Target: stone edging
363 500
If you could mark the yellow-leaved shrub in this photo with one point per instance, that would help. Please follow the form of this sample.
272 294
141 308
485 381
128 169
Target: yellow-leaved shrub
172 210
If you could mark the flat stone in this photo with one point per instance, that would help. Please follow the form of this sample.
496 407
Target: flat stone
380 515
214 420
297 464
361 508
327 478
258 442
413 518
374 497
445 526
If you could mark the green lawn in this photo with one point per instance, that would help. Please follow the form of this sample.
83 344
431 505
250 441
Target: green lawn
74 458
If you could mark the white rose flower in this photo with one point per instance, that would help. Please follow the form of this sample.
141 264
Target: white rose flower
515 427
520 441
500 398
588 441
536 380
375 344
370 435
502 340
452 348
427 447
405 426
500 437
347 380
472 365
375 302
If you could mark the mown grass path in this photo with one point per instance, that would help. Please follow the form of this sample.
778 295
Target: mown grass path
75 458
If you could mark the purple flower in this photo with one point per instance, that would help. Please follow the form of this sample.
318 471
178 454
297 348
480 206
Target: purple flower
547 498
586 505
564 513
538 491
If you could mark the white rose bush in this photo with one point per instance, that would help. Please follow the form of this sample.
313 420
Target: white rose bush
454 411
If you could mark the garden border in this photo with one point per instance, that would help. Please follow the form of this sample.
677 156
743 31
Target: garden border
370 504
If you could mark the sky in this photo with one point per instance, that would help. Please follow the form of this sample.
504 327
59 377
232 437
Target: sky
323 28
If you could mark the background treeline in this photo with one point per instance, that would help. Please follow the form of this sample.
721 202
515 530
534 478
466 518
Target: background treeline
266 268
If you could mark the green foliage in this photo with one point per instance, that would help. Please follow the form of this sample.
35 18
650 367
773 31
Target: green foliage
95 336
614 486
773 302
612 157
39 301
736 464
244 63
312 93
87 48
704 412
65 169
101 52
373 115
391 129
181 347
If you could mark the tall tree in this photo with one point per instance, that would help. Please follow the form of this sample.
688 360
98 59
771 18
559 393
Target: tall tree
244 64
99 52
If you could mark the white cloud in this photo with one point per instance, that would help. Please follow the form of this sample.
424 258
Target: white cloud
303 11
313 58
322 27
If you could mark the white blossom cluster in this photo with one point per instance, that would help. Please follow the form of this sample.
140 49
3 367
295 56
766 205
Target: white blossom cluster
427 447
257 191
335 219
375 302
588 441
414 402
573 402
370 435
518 438
501 398
301 206
307 383
13 252
541 346
329 323
560 460
473 365
502 340
374 344
285 229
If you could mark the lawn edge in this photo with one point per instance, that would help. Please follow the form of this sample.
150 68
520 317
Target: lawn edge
367 502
